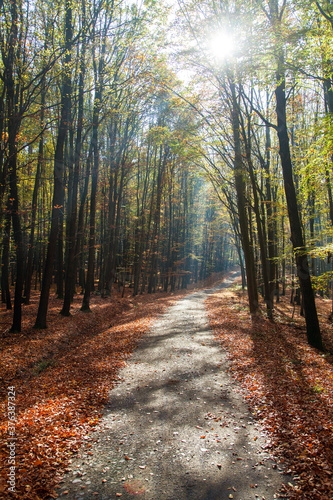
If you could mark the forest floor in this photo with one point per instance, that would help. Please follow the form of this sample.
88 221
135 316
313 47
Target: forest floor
287 384
176 427
62 378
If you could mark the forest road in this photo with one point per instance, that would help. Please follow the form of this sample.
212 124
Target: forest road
176 427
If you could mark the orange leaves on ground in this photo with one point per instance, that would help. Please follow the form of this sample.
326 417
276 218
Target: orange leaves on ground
62 377
288 385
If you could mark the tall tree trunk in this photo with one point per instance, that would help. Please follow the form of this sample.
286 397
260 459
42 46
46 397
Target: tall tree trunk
5 290
271 233
3 163
261 236
157 214
79 244
94 175
329 193
58 188
328 94
72 216
139 228
241 205
60 252
14 122
29 268
92 215
312 323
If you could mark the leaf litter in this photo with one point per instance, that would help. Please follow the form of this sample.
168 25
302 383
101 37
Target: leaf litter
62 377
288 385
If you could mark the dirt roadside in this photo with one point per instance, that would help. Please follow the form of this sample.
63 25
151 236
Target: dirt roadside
176 427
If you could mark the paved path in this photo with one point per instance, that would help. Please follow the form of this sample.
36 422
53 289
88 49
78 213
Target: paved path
176 427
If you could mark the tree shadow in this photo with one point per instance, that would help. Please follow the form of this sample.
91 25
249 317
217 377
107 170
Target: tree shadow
289 386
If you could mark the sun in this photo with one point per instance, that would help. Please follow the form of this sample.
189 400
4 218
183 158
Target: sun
221 46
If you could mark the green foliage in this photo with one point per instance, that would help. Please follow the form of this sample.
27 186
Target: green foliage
152 127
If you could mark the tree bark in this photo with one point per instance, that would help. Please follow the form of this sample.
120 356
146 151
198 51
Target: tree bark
261 236
72 216
92 217
311 317
241 205
29 268
157 214
57 207
14 122
5 290
94 178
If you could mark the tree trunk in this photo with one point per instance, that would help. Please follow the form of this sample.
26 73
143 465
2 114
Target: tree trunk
5 261
271 233
14 121
57 207
241 204
157 214
92 217
261 237
312 323
94 184
29 268
72 216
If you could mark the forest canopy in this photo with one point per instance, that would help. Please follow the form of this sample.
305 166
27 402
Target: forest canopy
149 145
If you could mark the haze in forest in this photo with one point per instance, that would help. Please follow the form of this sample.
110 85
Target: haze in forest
152 144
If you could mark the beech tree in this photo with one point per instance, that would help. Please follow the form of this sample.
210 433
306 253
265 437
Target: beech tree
111 166
21 86
280 38
275 16
57 202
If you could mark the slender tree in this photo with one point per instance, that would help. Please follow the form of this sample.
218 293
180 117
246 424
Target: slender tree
58 187
303 272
